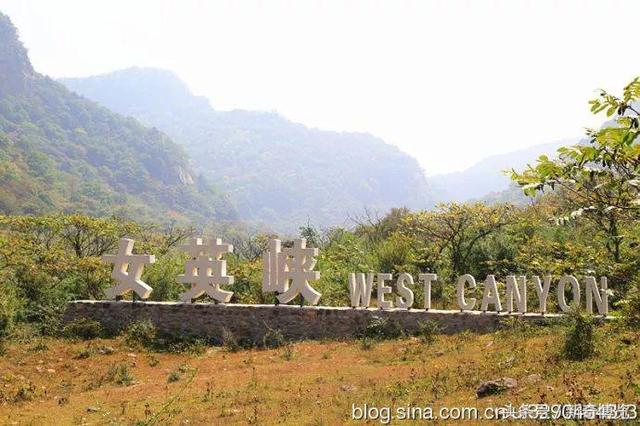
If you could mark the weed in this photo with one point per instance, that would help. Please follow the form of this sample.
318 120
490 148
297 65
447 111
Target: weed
83 354
180 344
83 328
427 331
208 395
39 347
153 361
141 334
25 393
631 308
579 340
229 341
367 343
381 328
174 376
119 374
273 339
288 352
105 350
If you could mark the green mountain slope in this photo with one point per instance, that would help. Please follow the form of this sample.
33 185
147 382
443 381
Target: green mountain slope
275 171
60 152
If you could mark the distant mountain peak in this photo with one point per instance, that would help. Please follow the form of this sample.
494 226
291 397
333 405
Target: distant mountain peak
487 175
276 171
60 152
155 88
15 67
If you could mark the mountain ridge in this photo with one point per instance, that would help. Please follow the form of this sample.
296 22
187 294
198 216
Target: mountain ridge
275 170
486 178
60 152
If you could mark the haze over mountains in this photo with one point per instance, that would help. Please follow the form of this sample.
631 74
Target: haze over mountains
486 178
60 152
275 171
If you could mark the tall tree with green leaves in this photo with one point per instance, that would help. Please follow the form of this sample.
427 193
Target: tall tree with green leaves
599 180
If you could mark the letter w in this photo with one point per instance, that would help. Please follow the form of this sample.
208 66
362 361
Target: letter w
360 289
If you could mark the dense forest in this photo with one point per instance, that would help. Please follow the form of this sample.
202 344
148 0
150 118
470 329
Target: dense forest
61 153
276 172
76 178
582 221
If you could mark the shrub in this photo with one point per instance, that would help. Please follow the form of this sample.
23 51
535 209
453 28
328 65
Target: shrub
288 352
176 343
631 308
8 309
515 324
181 344
141 334
120 374
427 331
83 328
229 341
174 376
83 354
381 328
273 339
366 343
579 340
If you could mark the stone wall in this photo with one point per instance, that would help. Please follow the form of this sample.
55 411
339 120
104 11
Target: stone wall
251 322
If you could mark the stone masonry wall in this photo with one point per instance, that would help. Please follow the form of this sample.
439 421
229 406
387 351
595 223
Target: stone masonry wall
251 322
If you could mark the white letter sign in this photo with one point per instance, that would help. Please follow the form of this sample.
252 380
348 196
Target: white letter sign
127 271
462 303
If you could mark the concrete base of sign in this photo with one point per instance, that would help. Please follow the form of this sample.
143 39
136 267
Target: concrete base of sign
251 322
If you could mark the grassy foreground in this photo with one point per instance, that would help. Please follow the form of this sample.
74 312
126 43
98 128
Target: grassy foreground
102 381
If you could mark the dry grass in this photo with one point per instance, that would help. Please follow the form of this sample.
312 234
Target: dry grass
103 382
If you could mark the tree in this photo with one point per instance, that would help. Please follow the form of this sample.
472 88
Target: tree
456 230
599 180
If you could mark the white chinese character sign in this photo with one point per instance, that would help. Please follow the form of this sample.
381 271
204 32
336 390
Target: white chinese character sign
206 271
127 271
288 271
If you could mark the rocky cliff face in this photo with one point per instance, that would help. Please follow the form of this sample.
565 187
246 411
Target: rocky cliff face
15 68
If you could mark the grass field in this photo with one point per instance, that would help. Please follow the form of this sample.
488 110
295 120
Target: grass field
102 381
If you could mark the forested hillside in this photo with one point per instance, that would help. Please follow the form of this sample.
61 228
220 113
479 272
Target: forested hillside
60 153
275 171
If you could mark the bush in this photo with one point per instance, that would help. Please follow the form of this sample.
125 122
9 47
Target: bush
366 343
381 328
427 331
229 341
273 339
174 376
579 340
8 309
288 352
516 324
6 323
631 308
179 344
141 334
120 375
83 328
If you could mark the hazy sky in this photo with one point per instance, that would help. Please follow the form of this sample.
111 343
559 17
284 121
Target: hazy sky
447 81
